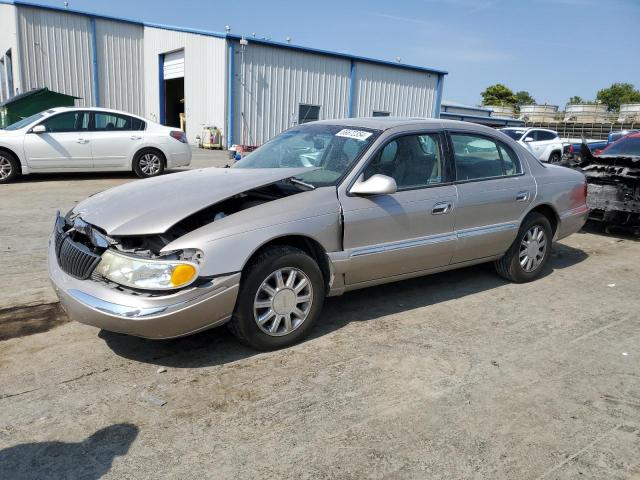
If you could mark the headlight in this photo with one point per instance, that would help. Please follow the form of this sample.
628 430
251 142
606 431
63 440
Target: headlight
146 274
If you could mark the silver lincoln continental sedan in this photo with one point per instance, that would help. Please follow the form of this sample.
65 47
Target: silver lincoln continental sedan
321 209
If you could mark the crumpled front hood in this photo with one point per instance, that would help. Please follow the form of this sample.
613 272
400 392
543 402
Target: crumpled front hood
154 205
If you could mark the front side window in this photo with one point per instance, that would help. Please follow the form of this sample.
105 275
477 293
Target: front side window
114 122
413 161
75 121
328 151
308 113
479 157
515 134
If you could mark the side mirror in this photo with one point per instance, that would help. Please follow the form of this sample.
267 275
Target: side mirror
39 129
528 139
375 185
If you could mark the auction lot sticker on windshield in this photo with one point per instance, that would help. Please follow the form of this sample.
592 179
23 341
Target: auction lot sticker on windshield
355 134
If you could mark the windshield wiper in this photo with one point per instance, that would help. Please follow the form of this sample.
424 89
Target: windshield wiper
301 183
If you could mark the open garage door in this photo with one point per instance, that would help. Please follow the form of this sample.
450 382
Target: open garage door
173 74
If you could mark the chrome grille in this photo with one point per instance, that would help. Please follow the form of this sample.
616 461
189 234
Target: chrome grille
76 259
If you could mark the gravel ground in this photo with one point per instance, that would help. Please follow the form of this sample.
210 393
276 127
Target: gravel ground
456 375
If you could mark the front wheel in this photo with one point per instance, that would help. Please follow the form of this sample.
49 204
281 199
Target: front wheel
148 163
9 167
529 254
281 296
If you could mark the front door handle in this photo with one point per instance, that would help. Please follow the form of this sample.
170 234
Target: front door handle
442 208
522 196
82 140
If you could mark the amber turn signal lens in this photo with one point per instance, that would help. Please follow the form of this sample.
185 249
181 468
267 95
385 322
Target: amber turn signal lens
182 275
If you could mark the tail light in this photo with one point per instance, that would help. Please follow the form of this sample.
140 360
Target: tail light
586 189
179 135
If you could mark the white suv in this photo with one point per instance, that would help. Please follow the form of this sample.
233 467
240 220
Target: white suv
85 139
544 144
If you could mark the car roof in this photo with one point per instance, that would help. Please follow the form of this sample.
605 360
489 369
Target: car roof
386 123
93 109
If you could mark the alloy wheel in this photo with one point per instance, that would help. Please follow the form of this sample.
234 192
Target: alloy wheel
5 168
150 164
532 248
283 301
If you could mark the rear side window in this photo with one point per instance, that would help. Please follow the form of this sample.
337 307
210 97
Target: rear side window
543 136
75 121
114 122
478 157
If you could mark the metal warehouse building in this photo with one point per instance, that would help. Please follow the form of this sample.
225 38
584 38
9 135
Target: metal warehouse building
251 89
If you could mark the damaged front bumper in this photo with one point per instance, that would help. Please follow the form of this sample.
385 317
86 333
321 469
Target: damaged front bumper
158 317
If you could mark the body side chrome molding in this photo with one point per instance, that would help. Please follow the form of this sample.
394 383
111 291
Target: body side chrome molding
414 242
432 239
475 231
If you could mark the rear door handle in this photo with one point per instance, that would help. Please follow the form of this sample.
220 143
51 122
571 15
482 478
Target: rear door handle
135 137
82 140
442 208
522 196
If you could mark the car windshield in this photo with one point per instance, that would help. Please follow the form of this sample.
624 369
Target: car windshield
515 134
329 151
24 122
627 146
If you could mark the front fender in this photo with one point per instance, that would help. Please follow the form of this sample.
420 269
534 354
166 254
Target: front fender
230 242
231 254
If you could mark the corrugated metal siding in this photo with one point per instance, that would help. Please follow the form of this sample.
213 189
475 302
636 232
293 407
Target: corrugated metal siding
277 81
55 52
8 42
204 81
400 92
120 49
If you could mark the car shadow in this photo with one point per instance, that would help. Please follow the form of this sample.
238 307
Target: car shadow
612 231
218 346
83 176
90 459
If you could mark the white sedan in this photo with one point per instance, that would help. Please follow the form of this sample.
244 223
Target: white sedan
89 139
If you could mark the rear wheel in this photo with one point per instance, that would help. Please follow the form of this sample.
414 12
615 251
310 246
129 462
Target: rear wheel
529 254
9 167
148 163
555 157
280 298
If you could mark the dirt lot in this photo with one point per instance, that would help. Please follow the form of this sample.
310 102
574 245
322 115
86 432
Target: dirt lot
457 375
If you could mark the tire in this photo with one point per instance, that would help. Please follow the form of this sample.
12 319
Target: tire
254 302
149 163
555 157
510 267
9 167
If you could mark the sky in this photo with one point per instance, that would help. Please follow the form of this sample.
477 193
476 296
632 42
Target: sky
553 49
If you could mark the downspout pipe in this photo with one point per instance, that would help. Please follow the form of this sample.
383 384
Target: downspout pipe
95 78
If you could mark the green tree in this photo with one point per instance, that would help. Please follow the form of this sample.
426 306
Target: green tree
575 100
524 98
617 94
499 94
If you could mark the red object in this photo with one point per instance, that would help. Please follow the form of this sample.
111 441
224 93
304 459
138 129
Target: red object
571 149
631 135
178 135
